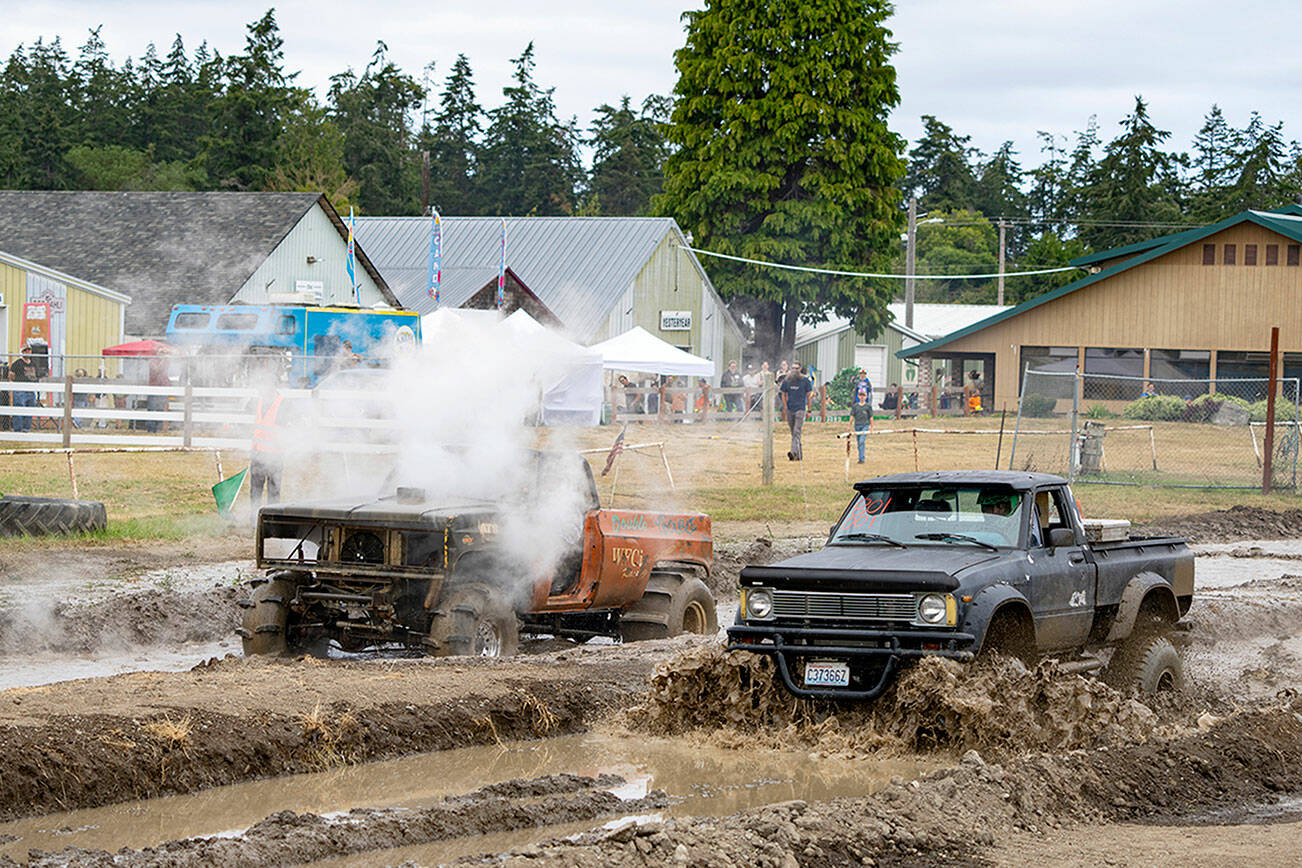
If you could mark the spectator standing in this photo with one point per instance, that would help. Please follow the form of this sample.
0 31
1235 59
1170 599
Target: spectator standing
730 380
861 414
795 395
266 452
158 376
750 381
23 370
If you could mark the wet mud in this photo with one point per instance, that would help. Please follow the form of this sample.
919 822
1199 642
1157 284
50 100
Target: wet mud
997 705
1027 749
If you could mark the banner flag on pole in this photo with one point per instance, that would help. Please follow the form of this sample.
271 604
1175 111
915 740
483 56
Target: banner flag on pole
352 269
435 257
615 450
227 490
501 270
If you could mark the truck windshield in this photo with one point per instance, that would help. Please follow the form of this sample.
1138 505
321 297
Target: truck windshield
933 515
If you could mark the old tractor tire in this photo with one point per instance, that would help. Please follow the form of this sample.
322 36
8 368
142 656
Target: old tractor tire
1148 662
671 604
266 618
43 516
472 620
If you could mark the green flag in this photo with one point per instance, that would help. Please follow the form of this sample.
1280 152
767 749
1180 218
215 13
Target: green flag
227 490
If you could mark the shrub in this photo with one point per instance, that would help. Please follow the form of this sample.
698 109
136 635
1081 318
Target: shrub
838 391
1098 411
1284 410
1157 408
1205 407
1037 405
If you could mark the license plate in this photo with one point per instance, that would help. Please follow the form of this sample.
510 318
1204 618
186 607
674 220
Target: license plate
827 673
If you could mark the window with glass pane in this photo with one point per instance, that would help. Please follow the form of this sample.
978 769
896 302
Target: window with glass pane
1113 362
1179 365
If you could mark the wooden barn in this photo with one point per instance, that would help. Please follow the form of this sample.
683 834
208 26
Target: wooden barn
1198 304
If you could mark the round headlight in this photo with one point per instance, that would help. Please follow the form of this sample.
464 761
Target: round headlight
759 604
931 609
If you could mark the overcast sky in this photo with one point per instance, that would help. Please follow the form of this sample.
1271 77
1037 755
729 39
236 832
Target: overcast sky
993 69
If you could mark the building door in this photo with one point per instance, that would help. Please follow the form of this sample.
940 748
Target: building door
872 358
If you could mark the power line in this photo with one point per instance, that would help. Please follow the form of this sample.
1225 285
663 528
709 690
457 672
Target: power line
872 274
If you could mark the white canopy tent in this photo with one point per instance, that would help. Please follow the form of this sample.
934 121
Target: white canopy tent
571 390
640 351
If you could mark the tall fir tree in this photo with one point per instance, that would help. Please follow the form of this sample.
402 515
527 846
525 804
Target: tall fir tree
529 162
629 151
940 170
453 142
783 154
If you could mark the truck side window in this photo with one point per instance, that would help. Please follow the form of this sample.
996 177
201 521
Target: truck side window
1035 537
1052 511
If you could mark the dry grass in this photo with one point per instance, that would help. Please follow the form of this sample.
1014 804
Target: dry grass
715 466
172 732
544 720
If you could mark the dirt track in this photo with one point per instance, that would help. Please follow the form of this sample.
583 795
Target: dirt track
1232 740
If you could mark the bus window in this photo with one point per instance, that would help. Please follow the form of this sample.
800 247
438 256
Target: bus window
287 326
237 322
191 320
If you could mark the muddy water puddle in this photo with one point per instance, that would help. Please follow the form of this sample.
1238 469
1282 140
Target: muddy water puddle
50 669
701 780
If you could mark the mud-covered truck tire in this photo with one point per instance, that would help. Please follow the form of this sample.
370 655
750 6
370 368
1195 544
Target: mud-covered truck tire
1148 662
43 516
266 617
472 620
673 603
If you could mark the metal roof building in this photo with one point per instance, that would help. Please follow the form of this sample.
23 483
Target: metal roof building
596 277
166 248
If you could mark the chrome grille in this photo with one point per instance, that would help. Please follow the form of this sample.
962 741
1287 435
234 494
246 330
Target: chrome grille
824 604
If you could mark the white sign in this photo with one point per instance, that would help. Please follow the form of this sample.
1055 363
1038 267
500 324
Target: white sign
54 301
675 320
316 286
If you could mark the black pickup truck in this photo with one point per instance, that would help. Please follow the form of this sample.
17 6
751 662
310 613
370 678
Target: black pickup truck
955 563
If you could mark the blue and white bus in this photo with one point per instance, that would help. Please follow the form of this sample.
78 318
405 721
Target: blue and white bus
316 340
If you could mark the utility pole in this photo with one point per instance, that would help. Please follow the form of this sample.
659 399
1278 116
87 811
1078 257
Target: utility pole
1002 227
910 243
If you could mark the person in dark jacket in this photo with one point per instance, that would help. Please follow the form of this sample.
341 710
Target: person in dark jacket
795 397
861 412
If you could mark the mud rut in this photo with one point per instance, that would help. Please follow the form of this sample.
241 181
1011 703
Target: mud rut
1026 751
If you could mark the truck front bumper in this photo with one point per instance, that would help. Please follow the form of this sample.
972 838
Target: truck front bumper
889 647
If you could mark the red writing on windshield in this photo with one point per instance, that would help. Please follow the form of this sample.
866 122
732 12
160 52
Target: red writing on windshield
865 514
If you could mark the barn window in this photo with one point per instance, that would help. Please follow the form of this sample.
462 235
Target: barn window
1209 254
1272 254
1229 254
1249 254
1054 359
1182 366
1293 250
1113 362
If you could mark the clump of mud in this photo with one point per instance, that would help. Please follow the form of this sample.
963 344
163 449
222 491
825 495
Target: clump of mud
730 558
1228 525
998 706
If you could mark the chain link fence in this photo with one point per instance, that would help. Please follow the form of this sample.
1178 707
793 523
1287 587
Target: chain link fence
1123 430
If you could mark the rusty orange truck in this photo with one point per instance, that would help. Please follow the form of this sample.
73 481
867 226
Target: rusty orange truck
469 577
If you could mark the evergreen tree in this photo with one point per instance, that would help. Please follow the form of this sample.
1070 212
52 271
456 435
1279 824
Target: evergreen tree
998 193
1260 163
957 242
529 160
374 113
249 113
310 154
629 151
783 154
1047 250
940 170
1135 182
453 143
1080 169
1049 184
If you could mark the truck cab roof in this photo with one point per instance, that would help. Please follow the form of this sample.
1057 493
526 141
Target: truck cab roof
1015 479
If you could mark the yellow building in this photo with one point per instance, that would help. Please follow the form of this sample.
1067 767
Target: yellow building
84 317
1198 304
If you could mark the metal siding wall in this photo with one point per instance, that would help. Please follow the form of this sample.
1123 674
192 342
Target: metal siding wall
314 235
93 324
654 291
